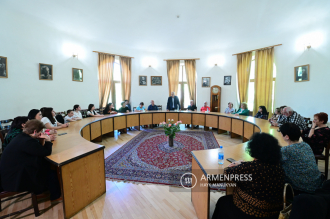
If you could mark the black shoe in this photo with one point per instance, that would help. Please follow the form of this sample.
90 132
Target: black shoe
197 126
188 126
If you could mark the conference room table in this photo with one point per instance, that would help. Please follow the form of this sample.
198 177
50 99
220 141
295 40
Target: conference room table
79 159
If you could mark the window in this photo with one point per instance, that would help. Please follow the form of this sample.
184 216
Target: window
115 93
183 92
251 85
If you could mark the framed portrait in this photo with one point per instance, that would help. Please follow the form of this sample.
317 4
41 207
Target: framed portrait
156 80
45 72
142 80
227 80
77 74
206 81
3 67
301 73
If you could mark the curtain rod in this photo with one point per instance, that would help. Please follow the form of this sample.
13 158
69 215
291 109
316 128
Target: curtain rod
114 54
257 49
180 59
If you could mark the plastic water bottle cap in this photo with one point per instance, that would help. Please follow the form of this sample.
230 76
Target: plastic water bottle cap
221 147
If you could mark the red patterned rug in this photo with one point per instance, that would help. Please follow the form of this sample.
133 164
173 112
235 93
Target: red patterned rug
148 158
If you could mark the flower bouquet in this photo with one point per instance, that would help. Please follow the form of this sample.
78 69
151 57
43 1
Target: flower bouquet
170 129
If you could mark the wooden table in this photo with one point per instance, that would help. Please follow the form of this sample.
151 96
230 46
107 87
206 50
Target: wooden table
80 162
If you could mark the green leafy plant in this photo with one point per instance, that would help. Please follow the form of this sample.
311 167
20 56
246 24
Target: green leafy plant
171 127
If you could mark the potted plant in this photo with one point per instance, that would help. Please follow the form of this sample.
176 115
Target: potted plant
170 129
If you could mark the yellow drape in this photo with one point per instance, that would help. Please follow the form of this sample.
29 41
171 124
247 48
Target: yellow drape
125 64
105 68
243 75
173 67
263 79
190 66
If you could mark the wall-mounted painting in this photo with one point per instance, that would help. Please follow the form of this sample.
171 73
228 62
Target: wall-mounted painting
227 80
301 73
3 67
77 74
206 81
142 80
156 80
45 72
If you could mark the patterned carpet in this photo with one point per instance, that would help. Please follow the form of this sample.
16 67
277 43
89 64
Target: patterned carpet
148 158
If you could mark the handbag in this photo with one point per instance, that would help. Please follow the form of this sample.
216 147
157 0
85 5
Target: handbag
285 213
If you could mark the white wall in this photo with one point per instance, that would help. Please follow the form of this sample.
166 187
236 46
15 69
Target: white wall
27 42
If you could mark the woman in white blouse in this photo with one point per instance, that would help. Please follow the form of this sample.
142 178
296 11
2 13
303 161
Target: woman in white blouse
48 118
76 112
230 108
91 111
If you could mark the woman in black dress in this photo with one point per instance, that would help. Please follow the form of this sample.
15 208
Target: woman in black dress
262 113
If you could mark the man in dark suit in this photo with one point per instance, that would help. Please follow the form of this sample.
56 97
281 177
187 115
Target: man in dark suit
173 102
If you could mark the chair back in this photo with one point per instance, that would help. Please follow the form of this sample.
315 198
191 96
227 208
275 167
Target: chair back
160 107
250 113
134 108
84 113
5 124
267 115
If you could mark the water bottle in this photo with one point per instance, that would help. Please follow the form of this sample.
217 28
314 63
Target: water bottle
221 156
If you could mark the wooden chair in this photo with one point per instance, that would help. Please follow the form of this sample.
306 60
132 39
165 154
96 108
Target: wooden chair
134 108
5 196
84 113
250 113
326 160
5 124
160 107
267 115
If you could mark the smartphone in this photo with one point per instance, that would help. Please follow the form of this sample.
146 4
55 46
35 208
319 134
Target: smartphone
62 134
231 160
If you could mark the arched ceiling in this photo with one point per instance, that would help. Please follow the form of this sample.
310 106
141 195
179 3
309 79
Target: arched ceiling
153 24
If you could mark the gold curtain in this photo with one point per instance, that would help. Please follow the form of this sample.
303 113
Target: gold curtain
173 67
105 68
263 79
243 75
125 64
190 66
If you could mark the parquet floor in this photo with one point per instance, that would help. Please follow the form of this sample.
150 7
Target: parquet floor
128 200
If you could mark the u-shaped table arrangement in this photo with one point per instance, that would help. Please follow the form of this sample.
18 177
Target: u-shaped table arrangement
80 163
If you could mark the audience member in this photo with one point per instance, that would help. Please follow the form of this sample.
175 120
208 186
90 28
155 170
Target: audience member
243 111
69 117
230 108
23 166
298 161
192 106
152 106
173 102
91 111
128 105
15 129
48 118
76 112
109 109
205 108
261 196
35 114
275 116
140 108
262 113
291 116
318 136
123 108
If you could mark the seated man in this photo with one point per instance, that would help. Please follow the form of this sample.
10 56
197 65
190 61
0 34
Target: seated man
128 105
205 107
291 116
123 108
192 106
152 106
173 102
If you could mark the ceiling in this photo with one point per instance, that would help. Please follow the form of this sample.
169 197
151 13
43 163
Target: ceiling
153 24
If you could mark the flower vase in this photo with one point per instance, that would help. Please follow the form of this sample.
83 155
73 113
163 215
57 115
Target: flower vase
170 141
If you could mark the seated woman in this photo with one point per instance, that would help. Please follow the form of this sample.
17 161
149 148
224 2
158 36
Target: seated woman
275 116
36 114
261 196
230 108
48 118
123 108
23 166
262 113
76 112
298 162
109 109
243 111
15 129
318 136
140 108
91 111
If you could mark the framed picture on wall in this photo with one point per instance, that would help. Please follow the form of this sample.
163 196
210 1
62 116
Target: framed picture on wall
77 74
156 80
45 72
227 80
3 67
142 80
301 73
206 81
